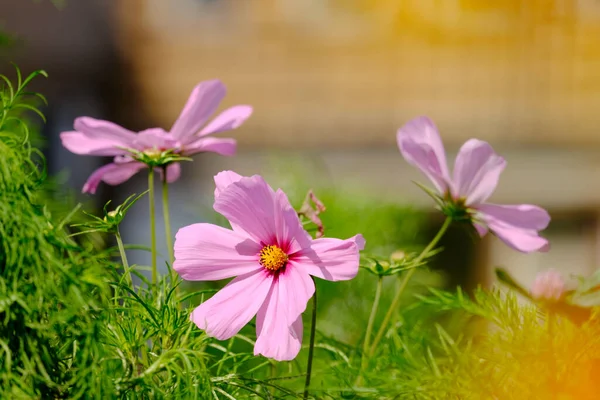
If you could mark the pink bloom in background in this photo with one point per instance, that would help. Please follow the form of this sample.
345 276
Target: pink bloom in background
548 286
187 136
272 258
476 172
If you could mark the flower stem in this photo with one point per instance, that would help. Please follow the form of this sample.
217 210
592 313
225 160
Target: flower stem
152 225
124 257
311 348
409 274
365 358
165 202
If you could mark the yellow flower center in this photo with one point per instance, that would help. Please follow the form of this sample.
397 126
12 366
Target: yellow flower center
153 152
273 258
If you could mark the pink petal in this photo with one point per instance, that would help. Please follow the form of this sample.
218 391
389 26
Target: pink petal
206 252
229 119
154 138
80 143
224 147
251 204
476 171
224 314
297 287
421 146
548 285
279 342
522 240
202 103
113 174
517 226
224 179
99 129
173 172
525 216
288 228
331 259
279 320
482 230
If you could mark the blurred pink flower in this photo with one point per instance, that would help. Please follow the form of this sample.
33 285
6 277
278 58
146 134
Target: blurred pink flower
186 137
272 258
476 172
548 286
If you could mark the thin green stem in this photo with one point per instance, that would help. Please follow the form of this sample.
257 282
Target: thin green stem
311 348
152 225
165 201
409 274
127 272
167 220
365 359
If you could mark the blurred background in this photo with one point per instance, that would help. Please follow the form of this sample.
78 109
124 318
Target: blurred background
331 81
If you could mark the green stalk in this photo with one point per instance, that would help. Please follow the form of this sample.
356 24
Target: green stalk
124 258
409 274
311 348
152 225
365 359
166 217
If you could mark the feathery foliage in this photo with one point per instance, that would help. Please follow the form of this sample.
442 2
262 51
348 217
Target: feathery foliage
50 289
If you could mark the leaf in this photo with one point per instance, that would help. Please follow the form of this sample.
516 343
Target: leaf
9 86
430 192
33 75
504 277
586 299
31 108
591 283
38 95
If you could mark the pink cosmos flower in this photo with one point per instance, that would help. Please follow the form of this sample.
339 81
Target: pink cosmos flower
186 137
476 172
548 286
272 258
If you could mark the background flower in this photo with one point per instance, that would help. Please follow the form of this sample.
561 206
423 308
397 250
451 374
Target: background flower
186 137
477 169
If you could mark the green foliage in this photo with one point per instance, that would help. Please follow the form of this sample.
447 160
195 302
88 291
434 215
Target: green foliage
510 351
50 289
71 328
111 220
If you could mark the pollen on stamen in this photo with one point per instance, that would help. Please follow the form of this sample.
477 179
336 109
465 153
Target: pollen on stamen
273 258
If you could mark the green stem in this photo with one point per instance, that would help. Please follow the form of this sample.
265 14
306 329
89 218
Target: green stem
311 348
152 225
165 201
365 358
124 258
409 274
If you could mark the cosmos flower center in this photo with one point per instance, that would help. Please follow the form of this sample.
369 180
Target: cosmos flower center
153 152
273 258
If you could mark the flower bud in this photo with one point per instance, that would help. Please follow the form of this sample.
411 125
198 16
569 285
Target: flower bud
398 256
310 209
548 286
